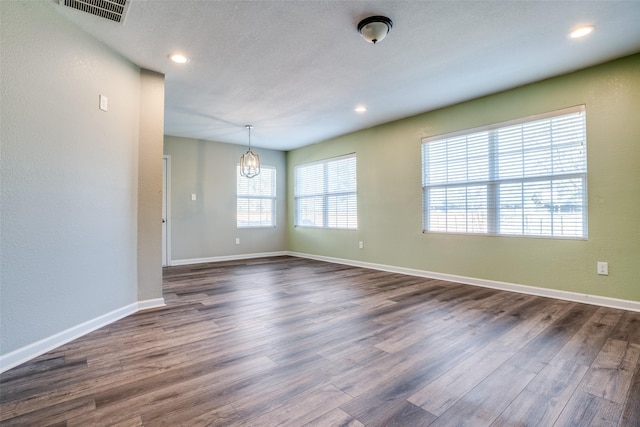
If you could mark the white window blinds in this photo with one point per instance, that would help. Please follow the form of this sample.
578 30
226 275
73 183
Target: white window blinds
256 199
326 193
527 177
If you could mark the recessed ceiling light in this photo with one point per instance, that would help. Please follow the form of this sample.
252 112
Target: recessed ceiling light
582 31
178 58
360 109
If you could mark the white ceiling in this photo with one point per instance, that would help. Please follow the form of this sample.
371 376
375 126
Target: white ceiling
296 69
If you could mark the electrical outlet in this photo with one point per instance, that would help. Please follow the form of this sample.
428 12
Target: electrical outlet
193 196
361 245
603 268
237 240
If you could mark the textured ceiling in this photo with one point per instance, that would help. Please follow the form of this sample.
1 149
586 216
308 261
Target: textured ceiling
296 69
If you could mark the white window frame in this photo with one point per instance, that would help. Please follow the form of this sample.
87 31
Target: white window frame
252 190
487 159
331 200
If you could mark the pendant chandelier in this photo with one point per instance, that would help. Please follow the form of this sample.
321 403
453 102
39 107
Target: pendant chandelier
249 161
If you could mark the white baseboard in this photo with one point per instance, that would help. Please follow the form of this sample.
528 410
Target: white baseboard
226 258
21 355
513 287
28 352
24 354
151 303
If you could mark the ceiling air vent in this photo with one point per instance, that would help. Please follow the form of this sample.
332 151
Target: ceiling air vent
113 10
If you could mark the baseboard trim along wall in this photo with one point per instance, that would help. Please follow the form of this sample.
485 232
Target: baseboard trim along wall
226 258
38 348
26 353
150 303
523 289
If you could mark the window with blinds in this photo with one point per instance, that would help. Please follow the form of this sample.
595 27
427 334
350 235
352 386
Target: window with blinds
256 199
526 177
326 193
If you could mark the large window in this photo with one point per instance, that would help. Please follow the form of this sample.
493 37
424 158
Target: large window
256 199
326 193
526 178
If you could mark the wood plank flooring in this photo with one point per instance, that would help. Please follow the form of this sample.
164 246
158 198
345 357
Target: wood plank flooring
296 342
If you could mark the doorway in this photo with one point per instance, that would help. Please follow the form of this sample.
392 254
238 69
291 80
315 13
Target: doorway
166 211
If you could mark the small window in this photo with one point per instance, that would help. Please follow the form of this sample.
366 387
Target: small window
256 199
527 177
326 193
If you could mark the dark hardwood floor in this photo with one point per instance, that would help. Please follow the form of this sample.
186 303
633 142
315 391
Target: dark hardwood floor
296 342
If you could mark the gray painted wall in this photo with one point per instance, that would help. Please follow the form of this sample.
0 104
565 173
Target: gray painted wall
150 185
206 227
69 177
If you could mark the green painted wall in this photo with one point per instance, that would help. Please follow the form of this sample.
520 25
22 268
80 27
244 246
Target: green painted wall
390 197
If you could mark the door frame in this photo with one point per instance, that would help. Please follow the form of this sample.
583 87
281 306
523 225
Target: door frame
166 210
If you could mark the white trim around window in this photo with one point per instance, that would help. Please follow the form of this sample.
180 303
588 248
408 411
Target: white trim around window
256 199
326 193
526 177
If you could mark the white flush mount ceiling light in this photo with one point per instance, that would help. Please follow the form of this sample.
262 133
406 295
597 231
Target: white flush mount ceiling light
375 28
360 109
178 58
249 161
581 31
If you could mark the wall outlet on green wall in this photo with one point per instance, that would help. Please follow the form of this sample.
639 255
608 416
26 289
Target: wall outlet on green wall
603 268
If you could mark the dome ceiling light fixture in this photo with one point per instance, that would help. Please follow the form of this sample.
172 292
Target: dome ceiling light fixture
374 28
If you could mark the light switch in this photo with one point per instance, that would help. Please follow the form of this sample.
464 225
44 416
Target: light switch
193 196
104 103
